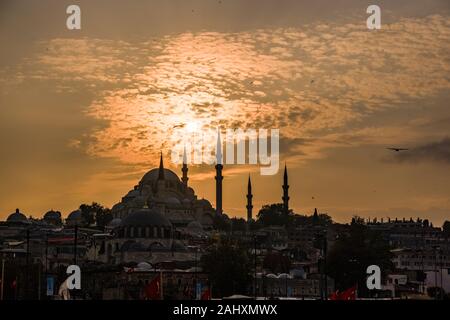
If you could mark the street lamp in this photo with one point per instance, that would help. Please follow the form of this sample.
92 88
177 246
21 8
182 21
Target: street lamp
3 276
254 252
436 248
286 283
441 271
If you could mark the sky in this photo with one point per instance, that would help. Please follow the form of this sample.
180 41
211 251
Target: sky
85 113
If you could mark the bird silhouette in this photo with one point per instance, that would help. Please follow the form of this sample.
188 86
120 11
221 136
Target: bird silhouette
397 149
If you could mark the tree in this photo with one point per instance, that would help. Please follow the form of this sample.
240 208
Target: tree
221 222
446 229
321 219
274 214
254 225
357 220
229 267
353 252
324 220
301 220
277 263
435 292
238 224
96 213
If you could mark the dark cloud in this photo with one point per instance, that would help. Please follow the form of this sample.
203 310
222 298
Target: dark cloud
435 151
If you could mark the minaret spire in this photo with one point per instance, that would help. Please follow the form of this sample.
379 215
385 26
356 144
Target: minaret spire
285 191
315 216
219 177
249 200
184 169
219 157
161 168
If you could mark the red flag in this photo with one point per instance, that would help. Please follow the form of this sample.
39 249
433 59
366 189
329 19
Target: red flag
206 295
349 294
153 289
335 295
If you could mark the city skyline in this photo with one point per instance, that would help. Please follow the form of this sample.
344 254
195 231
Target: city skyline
86 113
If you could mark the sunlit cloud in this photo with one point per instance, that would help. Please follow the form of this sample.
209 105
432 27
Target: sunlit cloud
311 83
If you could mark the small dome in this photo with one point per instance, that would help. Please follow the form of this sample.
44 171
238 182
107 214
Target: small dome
115 223
297 273
132 194
146 217
157 246
178 246
139 202
17 217
194 226
75 215
144 266
204 203
52 215
132 246
186 201
172 200
117 206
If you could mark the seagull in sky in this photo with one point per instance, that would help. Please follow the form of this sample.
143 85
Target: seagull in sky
397 149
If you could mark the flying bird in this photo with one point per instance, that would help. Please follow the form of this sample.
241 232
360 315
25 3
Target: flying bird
397 149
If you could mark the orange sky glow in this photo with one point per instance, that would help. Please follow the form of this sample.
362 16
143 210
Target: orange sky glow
84 114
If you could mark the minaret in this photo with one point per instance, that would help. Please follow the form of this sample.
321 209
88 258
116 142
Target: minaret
185 178
285 191
160 183
315 216
219 176
161 168
249 200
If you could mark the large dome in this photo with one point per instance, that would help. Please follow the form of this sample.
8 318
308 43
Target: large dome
145 217
17 217
152 176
